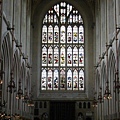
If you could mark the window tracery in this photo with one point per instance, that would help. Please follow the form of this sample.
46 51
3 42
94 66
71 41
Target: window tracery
62 49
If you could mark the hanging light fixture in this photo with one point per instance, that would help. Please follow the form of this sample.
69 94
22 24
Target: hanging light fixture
16 116
107 94
100 99
2 114
117 30
11 86
117 86
94 103
30 101
116 83
8 117
20 92
26 97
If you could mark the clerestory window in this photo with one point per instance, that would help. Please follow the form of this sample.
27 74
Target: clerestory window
62 66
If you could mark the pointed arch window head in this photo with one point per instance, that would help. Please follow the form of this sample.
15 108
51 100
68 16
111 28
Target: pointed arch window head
62 65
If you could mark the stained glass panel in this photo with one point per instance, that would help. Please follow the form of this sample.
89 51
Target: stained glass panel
69 34
62 79
55 19
75 56
74 18
62 40
69 80
69 56
62 56
63 18
49 17
44 56
49 80
56 8
81 56
44 34
69 8
81 34
62 66
43 81
75 34
75 79
81 80
70 19
45 19
50 34
80 19
56 34
56 56
56 80
50 56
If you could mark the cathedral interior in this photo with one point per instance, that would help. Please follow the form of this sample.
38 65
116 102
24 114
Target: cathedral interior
59 59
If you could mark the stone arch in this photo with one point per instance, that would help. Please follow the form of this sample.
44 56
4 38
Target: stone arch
103 76
82 7
103 85
97 81
23 70
118 65
97 87
27 81
16 68
6 39
27 87
111 78
38 15
6 57
22 78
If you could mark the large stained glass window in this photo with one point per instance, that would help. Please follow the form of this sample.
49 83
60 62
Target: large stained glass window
62 66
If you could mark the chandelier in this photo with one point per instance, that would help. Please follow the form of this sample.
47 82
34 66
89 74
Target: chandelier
30 102
94 103
11 86
107 94
2 115
20 92
100 98
117 86
26 97
117 82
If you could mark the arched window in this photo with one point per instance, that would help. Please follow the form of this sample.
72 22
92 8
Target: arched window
62 66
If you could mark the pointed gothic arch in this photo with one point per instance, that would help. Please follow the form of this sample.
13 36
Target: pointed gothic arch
62 66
